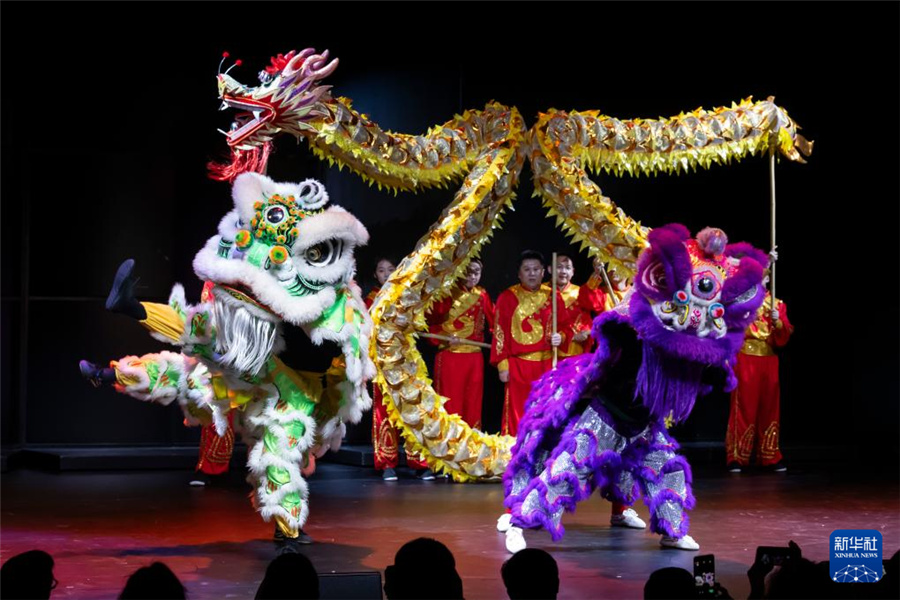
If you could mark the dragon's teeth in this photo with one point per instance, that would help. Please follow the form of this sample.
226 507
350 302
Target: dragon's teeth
224 106
256 114
225 133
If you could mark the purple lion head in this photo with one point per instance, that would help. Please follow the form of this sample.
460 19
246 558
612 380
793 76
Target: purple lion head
694 298
692 301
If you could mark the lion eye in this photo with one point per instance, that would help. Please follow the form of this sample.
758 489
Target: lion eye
275 215
323 253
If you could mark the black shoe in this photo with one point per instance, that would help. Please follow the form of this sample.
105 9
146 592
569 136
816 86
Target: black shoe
95 375
734 468
778 467
121 297
302 538
426 475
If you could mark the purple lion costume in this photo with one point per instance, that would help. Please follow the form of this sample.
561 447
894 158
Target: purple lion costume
599 420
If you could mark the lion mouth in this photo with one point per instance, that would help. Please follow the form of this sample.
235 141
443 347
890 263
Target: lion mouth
252 116
243 294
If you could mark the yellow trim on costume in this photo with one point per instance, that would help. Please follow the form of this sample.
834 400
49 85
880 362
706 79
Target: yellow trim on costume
503 365
538 355
463 349
122 378
754 347
164 320
286 529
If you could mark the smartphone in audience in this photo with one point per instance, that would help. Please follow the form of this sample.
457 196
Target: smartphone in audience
775 556
705 574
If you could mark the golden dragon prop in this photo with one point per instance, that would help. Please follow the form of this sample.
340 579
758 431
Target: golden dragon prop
488 148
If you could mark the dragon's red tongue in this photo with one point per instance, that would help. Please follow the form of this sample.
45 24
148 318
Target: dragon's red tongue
242 161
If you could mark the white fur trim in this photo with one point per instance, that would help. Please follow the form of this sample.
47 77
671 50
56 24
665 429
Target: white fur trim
177 298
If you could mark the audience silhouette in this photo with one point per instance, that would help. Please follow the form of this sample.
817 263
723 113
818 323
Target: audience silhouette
28 576
423 568
670 583
156 581
531 574
291 576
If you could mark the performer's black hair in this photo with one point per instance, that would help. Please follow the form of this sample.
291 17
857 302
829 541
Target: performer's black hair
532 255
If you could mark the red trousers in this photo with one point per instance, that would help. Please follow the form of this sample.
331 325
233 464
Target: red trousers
522 373
215 451
755 411
460 377
385 438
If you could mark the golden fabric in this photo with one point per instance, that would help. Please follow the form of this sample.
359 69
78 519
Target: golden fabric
761 328
570 295
465 301
499 337
164 320
755 347
612 300
463 349
285 528
538 355
756 337
769 446
123 379
529 304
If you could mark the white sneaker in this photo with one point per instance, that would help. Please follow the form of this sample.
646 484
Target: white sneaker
504 522
515 541
629 518
682 543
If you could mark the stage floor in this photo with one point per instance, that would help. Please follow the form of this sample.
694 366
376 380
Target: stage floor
101 526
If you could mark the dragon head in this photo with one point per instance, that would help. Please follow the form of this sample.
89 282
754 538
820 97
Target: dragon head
695 297
280 251
288 95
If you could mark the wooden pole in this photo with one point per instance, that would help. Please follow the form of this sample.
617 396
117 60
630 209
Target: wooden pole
447 338
772 222
553 278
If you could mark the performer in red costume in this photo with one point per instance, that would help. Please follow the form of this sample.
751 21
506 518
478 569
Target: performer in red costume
459 367
595 297
578 331
385 438
523 336
755 404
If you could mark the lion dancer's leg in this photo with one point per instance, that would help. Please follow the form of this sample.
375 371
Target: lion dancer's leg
585 457
164 322
664 480
285 433
159 377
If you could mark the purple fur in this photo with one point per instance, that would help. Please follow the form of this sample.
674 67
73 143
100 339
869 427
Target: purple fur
668 244
668 385
668 380
749 275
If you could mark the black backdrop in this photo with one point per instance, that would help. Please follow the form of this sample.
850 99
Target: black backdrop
109 116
